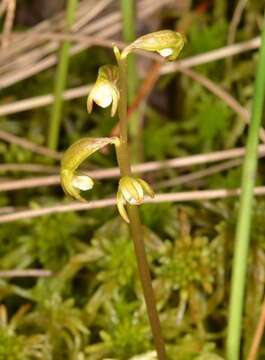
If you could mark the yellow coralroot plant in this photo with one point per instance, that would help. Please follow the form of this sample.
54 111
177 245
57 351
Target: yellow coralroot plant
110 89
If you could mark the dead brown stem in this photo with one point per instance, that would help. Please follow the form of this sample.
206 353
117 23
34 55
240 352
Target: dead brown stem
97 204
139 168
258 335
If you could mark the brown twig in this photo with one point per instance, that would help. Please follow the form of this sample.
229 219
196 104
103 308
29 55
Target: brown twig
139 168
39 101
25 273
8 24
222 94
29 168
234 25
26 144
35 102
144 91
97 204
196 175
29 183
106 32
258 334
212 55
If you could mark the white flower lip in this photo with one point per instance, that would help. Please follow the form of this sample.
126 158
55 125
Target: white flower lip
128 195
166 52
82 182
131 190
103 96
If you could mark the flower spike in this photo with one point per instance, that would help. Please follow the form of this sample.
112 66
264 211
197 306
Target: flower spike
105 90
167 43
71 180
131 190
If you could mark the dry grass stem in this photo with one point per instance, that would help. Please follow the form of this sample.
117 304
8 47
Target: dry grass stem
26 144
196 175
223 95
234 25
25 273
39 101
139 168
181 66
105 27
258 335
98 204
8 23
213 55
39 168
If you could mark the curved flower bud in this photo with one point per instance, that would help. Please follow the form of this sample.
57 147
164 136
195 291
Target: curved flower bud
105 90
71 180
167 43
131 190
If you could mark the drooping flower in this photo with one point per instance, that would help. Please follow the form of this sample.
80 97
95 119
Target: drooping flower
131 190
73 181
167 43
105 90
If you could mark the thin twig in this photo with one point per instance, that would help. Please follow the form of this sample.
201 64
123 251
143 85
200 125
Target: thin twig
39 101
36 102
107 32
139 168
29 168
25 273
25 43
234 25
29 183
258 335
213 55
8 24
222 94
98 204
26 144
196 175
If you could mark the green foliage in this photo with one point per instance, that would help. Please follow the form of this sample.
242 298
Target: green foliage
189 261
14 346
212 117
203 37
54 247
118 260
128 334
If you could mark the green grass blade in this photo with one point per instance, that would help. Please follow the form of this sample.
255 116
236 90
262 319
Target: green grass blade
244 216
60 80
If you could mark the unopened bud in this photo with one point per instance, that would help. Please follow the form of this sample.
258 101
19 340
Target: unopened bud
167 43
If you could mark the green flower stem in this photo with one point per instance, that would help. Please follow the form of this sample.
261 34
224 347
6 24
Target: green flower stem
128 8
244 217
60 79
129 34
135 223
